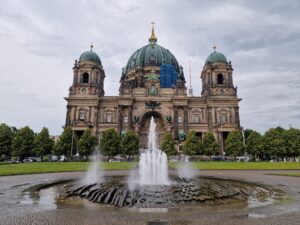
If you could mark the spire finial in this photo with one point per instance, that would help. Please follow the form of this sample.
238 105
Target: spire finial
92 46
214 47
152 38
190 73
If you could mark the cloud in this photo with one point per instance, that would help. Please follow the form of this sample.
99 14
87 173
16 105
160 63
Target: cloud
40 40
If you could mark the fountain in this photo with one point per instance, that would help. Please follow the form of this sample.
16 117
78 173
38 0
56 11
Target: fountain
153 165
184 168
94 172
151 187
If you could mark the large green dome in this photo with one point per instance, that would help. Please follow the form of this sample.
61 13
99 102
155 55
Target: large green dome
90 56
216 57
151 55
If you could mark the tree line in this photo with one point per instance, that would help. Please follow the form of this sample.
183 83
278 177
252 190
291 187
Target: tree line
24 143
275 143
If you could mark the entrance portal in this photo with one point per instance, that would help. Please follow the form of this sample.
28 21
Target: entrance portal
144 131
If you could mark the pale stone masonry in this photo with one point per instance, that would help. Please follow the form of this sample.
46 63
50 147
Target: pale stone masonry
141 96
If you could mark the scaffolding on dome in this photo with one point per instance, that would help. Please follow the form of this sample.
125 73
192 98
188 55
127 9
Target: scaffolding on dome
168 76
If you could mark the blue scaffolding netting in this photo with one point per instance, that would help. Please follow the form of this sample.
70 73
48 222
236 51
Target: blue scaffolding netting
168 76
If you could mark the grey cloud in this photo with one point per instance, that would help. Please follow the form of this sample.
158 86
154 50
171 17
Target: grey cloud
261 38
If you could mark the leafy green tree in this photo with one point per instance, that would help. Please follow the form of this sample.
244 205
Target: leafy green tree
168 144
274 142
192 145
64 143
209 144
130 144
254 145
22 143
86 144
6 137
292 139
247 133
43 143
110 143
234 144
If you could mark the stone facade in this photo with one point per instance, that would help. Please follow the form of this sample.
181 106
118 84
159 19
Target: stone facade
140 97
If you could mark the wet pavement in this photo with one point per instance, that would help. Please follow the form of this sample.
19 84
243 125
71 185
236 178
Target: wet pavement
18 208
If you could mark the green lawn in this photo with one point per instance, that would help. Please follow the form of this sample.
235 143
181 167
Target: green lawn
55 167
243 166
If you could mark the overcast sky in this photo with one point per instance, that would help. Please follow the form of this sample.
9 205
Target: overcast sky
39 41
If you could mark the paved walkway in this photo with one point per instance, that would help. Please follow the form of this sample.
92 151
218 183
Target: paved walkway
15 212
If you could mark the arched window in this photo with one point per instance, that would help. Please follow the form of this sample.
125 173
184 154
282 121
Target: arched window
85 78
196 118
220 78
82 116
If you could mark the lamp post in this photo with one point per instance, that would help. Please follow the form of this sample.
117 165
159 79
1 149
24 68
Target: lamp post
222 143
244 141
72 145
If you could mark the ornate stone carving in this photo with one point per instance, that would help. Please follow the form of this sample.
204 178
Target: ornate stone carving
152 105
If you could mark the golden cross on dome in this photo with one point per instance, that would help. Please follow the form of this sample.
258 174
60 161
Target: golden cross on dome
214 47
152 38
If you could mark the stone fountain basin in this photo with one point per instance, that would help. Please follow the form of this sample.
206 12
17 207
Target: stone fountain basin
180 193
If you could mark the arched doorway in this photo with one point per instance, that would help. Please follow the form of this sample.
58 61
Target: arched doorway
144 128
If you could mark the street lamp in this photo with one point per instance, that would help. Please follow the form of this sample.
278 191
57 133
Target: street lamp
244 141
72 145
222 142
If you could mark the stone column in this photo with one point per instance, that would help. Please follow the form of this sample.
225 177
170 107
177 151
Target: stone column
209 118
120 119
75 114
232 115
185 122
213 111
67 123
90 114
175 123
129 117
237 117
72 116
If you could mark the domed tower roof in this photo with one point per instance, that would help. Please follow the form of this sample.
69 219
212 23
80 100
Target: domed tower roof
90 56
151 55
215 57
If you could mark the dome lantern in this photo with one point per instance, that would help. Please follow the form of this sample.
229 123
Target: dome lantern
90 56
215 57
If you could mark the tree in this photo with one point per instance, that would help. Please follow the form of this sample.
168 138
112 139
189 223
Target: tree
168 144
254 145
22 143
209 144
130 144
64 143
292 139
274 142
247 133
234 144
110 143
87 143
43 143
6 137
192 144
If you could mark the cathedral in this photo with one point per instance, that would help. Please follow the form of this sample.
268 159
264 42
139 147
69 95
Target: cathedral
153 84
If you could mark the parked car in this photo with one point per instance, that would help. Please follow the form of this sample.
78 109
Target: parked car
28 160
242 159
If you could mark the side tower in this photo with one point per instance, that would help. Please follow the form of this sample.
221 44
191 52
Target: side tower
217 76
85 93
220 96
